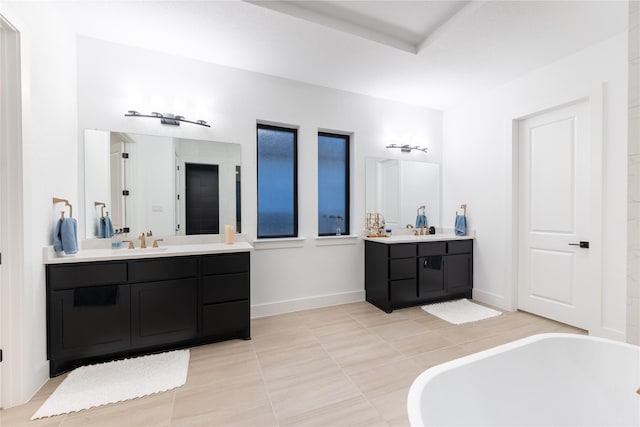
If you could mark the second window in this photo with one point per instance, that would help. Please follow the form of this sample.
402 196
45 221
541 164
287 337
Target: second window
333 184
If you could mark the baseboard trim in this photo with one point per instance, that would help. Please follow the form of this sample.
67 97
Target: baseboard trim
288 306
611 334
498 301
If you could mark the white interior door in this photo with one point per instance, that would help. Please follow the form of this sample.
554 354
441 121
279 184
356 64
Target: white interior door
556 274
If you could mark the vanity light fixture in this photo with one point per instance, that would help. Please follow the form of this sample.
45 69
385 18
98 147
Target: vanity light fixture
406 148
166 118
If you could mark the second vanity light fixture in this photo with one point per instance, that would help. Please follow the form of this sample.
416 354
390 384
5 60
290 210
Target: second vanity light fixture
406 148
167 118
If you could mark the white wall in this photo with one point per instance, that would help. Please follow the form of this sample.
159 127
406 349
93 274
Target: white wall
50 161
477 170
97 169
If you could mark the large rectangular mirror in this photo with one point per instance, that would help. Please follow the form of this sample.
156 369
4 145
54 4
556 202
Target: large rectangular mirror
171 186
398 188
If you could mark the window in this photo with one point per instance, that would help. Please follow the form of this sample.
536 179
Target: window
333 184
277 182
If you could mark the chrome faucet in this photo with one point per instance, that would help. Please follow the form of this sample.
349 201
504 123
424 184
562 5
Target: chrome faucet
143 241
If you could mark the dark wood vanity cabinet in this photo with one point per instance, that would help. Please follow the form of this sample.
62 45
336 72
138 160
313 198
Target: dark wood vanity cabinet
98 311
407 274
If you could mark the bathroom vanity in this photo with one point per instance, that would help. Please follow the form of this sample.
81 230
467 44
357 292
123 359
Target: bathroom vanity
405 271
102 307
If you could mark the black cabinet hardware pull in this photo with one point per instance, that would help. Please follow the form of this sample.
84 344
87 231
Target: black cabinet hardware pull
581 244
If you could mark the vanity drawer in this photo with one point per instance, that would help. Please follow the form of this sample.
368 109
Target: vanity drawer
435 248
225 263
460 247
163 269
226 287
86 274
225 320
402 250
402 269
403 292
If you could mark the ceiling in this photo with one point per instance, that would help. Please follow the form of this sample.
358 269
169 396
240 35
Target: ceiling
405 25
430 53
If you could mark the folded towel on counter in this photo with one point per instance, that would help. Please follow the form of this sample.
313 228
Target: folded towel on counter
461 225
65 237
105 228
421 221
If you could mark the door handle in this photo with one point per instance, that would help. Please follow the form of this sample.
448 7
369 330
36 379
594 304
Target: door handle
581 244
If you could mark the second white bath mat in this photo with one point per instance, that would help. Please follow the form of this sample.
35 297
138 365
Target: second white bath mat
460 311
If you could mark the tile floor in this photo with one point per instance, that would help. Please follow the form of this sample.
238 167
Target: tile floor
347 365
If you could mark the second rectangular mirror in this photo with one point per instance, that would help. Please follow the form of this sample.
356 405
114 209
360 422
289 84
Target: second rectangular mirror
397 188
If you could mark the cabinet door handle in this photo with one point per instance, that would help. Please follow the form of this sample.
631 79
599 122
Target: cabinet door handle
584 245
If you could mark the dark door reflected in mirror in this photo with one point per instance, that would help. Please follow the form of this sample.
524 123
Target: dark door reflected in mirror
202 199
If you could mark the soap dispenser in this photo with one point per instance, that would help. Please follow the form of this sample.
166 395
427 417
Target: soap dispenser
116 240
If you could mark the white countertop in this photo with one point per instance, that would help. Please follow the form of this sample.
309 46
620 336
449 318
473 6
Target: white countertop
409 238
103 254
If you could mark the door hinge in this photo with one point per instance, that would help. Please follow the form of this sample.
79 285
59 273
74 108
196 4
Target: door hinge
0 355
125 155
125 192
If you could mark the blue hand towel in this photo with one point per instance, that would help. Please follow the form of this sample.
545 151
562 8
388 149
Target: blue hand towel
461 225
66 236
101 228
107 227
421 221
57 243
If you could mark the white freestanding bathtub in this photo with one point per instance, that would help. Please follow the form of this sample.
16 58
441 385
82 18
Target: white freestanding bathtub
546 379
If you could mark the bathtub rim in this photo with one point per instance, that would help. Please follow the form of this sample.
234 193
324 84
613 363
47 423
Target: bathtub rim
415 391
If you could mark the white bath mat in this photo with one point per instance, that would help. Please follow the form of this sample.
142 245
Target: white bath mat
460 311
111 382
